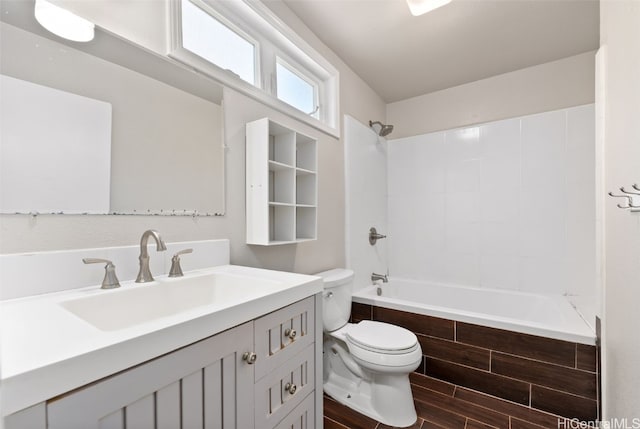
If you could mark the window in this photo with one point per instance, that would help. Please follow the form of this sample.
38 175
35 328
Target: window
207 37
245 38
295 89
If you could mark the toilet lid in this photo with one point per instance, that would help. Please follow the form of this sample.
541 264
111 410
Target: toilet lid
382 337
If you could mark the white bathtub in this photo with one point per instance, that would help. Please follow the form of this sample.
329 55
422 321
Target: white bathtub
549 316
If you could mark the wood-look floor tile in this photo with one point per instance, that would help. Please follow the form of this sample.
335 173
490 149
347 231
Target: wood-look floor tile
417 323
416 425
563 404
531 346
346 416
569 380
463 408
360 312
330 424
521 424
586 357
472 424
493 384
436 415
432 383
455 352
522 412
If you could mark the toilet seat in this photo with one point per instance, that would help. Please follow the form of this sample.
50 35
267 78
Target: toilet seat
383 347
381 337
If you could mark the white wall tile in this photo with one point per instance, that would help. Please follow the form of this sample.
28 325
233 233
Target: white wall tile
462 237
541 238
508 204
499 238
544 149
463 176
462 144
462 268
543 274
462 206
367 185
499 270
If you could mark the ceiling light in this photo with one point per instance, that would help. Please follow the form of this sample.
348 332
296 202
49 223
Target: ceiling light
420 7
63 23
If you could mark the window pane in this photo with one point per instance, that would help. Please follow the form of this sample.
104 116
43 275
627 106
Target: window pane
208 38
294 90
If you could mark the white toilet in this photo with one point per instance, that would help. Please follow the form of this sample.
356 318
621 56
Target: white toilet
366 364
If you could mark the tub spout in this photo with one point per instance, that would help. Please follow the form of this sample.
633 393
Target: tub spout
382 277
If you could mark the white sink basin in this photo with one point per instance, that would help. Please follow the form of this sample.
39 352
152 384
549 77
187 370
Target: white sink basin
133 304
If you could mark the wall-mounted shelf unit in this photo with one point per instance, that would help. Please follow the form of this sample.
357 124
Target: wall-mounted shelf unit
282 184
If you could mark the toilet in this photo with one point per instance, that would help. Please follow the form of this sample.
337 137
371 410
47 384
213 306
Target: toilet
366 364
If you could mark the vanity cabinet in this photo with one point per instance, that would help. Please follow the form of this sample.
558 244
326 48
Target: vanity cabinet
214 383
282 184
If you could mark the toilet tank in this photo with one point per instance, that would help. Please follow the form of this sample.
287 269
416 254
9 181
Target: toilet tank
336 304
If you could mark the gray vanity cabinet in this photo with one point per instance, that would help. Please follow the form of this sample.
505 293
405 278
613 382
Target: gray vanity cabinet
211 384
205 385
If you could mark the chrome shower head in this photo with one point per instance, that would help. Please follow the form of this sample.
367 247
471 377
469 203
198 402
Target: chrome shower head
385 130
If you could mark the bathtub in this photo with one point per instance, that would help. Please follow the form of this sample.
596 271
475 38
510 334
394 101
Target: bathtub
550 316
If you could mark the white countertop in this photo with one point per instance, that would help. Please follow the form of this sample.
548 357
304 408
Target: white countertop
46 350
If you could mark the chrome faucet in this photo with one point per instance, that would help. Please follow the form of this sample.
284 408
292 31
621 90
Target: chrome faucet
382 277
144 275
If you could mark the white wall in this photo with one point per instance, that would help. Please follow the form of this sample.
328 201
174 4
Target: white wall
555 85
366 196
26 234
507 204
620 36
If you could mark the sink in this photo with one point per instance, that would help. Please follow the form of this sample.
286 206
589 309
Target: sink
134 304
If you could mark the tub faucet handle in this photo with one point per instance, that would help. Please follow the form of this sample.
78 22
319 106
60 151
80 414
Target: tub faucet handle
374 236
110 280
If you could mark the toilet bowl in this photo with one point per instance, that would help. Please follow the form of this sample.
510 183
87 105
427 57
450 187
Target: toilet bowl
366 364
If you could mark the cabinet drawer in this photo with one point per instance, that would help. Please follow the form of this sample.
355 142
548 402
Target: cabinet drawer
278 393
302 416
282 334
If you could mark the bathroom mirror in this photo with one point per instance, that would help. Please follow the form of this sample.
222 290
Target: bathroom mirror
167 137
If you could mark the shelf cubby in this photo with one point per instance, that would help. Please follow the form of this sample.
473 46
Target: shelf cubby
306 153
282 183
305 223
281 224
305 188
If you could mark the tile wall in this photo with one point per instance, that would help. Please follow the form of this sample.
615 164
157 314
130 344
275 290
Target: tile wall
507 204
366 195
537 373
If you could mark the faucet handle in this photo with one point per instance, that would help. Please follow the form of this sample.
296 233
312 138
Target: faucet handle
110 280
176 269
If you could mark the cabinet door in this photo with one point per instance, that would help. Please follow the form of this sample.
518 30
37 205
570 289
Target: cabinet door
206 385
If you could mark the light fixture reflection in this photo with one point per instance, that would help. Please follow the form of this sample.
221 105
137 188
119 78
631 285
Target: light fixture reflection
63 23
420 7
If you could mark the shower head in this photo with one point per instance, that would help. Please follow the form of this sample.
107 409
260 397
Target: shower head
385 130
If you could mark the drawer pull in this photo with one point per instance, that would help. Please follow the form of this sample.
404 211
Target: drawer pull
291 388
249 357
291 333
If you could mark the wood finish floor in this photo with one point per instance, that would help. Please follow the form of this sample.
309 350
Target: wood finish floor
441 405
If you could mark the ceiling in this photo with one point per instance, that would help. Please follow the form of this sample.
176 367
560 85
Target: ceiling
402 56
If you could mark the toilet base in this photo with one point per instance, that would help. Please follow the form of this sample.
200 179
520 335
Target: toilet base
386 398
359 399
